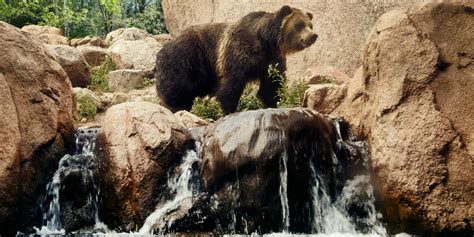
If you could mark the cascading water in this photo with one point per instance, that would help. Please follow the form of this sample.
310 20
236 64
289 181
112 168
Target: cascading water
72 196
284 192
181 185
353 210
305 187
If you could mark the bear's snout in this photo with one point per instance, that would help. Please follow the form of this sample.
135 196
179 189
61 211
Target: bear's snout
311 39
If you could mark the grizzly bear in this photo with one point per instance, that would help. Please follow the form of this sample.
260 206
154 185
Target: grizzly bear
220 59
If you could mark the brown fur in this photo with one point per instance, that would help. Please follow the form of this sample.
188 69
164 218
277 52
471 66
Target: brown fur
219 59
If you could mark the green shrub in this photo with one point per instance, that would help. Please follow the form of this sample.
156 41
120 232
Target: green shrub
207 108
87 108
249 99
99 80
291 95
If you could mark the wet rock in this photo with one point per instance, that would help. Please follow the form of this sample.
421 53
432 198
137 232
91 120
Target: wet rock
139 142
135 54
73 63
191 120
126 34
37 125
125 80
93 55
89 41
77 192
250 158
415 108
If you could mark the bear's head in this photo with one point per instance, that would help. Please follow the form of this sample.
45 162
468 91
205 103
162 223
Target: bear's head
296 30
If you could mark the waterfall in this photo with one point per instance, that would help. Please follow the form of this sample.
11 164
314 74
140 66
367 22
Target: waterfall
284 192
180 185
353 211
320 186
79 168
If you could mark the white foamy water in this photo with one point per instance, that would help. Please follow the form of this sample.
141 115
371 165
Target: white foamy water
179 183
284 192
85 144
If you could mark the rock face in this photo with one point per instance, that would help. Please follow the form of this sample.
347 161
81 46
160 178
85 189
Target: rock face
139 143
38 124
413 101
319 75
342 27
324 98
135 54
46 34
92 54
73 63
125 80
126 34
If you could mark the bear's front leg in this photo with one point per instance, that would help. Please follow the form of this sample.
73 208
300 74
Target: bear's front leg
229 92
271 84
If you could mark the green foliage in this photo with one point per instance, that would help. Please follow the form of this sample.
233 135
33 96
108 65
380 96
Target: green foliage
99 80
148 81
85 17
87 108
151 20
291 95
20 13
249 99
207 108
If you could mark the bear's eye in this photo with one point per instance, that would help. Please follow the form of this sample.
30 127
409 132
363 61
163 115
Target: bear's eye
299 26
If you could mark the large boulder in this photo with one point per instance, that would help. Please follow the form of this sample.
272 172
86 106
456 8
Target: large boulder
135 54
72 61
93 55
256 162
138 144
46 34
126 34
37 125
342 26
125 80
412 99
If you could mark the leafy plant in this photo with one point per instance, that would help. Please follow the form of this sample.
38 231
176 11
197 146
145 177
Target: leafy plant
87 108
291 95
148 81
249 99
99 80
207 108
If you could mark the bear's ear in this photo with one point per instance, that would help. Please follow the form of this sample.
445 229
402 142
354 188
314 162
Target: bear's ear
284 11
310 15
